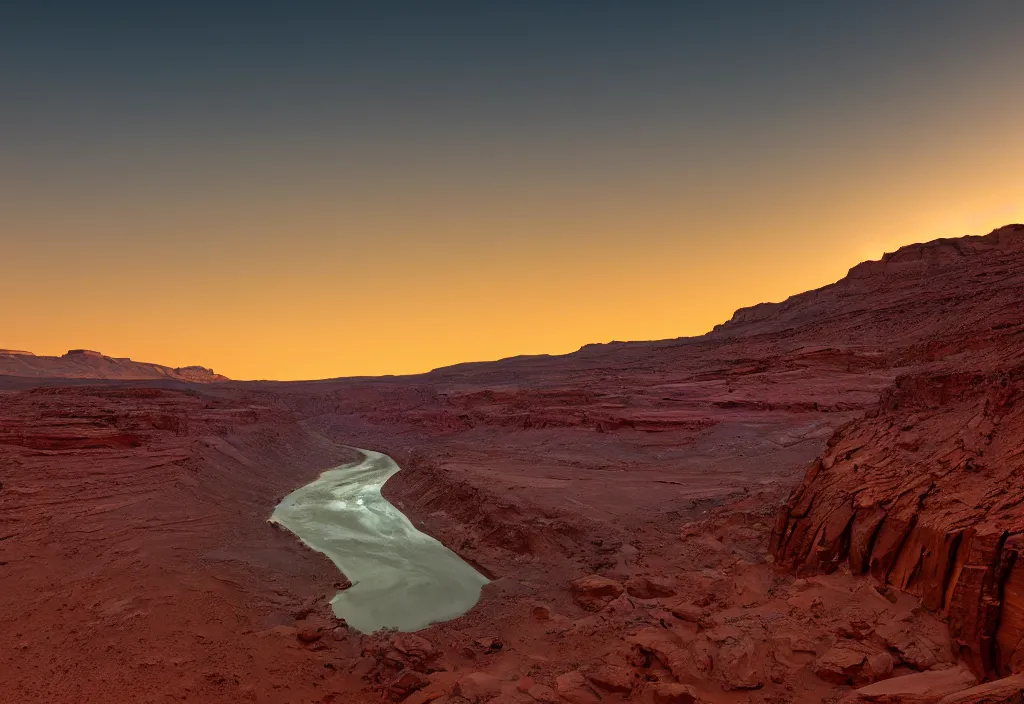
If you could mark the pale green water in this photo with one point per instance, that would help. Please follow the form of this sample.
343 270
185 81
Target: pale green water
401 578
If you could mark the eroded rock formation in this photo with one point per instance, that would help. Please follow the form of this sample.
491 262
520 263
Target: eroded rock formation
926 494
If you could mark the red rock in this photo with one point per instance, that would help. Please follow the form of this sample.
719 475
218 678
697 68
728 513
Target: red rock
405 683
573 687
310 635
739 665
438 687
307 608
426 696
669 649
687 612
541 612
673 693
914 649
488 645
857 629
924 551
619 605
918 688
416 648
478 686
853 662
645 587
612 678
1009 690
511 697
363 666
544 694
593 592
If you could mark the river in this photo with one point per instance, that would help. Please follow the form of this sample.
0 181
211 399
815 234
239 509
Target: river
401 578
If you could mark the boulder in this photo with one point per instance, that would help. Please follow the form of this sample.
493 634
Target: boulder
415 648
541 612
619 605
405 683
739 665
310 635
688 612
593 592
852 662
855 629
913 648
488 645
668 649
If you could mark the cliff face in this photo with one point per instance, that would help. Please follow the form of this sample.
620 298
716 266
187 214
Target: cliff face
926 493
87 364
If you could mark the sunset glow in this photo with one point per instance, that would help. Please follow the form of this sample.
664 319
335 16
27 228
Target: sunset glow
601 181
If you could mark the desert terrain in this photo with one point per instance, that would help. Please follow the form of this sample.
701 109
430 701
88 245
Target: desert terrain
819 500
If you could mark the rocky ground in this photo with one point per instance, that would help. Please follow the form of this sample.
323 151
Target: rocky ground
632 503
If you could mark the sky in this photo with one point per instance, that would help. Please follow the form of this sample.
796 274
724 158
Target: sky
311 190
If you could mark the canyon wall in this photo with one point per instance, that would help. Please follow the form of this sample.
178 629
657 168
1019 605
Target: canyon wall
926 493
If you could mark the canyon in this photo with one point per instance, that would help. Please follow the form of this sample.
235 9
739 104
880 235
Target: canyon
819 500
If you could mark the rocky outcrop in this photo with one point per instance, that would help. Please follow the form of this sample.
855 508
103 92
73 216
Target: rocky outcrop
975 280
926 494
593 592
918 688
853 662
1009 690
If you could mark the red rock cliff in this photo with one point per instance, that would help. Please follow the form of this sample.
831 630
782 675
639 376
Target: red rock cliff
926 494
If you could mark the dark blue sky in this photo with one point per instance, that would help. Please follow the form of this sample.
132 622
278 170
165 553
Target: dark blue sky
503 65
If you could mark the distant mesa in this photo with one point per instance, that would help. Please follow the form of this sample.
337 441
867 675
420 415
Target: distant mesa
83 353
90 364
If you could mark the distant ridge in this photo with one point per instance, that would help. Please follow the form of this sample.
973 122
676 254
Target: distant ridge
912 263
88 364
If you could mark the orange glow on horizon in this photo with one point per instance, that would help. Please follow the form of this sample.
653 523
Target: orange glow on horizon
265 278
